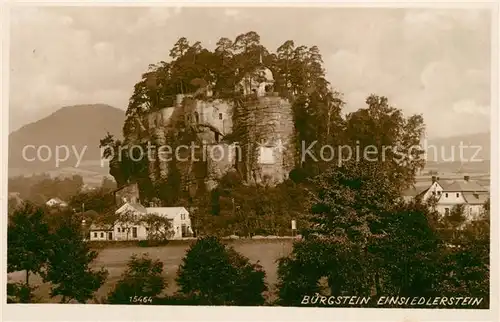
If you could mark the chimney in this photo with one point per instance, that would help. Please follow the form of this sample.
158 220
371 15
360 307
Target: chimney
466 178
433 179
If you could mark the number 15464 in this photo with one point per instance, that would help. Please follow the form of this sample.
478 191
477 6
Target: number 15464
141 299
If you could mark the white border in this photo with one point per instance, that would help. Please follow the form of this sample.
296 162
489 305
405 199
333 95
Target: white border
52 312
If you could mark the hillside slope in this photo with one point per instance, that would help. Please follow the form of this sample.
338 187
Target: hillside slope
79 128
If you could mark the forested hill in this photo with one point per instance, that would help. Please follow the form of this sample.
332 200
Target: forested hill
299 76
76 126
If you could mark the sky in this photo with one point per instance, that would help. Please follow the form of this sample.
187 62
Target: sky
426 61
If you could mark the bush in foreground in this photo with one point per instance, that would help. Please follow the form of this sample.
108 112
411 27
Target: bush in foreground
69 267
215 274
143 278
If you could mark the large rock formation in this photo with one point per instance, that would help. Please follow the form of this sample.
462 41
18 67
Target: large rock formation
251 133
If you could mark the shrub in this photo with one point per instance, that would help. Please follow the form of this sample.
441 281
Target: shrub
20 293
143 278
215 274
69 268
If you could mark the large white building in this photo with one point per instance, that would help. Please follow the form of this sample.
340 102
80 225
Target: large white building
458 192
131 226
138 230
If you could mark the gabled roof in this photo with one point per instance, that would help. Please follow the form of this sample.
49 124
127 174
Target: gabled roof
56 199
167 212
131 206
476 198
462 186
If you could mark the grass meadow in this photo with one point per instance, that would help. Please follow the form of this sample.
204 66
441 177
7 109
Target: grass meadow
114 259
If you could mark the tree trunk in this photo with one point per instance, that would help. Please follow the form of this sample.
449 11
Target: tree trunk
27 277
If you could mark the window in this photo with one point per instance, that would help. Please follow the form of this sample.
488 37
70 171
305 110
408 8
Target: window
220 116
183 216
434 193
118 229
102 235
446 211
134 232
216 137
458 195
197 117
446 195
439 192
95 235
266 156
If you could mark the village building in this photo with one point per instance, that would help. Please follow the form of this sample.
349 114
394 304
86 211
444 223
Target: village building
99 232
56 202
133 227
449 194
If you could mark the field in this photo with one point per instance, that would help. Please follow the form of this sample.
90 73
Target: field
266 252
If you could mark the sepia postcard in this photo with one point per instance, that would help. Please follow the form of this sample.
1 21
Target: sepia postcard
257 161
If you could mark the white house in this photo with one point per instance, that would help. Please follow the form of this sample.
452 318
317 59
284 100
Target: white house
179 217
130 227
101 232
459 192
56 202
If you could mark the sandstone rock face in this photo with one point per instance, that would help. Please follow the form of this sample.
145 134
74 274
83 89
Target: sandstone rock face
253 134
269 129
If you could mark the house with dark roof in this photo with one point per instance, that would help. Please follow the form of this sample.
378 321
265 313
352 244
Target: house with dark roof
457 192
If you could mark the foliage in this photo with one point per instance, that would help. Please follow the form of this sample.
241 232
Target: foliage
406 257
143 277
127 219
158 227
395 138
363 238
40 188
69 262
20 293
466 261
299 273
27 240
99 200
215 274
234 208
456 219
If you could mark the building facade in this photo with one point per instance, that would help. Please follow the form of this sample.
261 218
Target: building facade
449 194
132 226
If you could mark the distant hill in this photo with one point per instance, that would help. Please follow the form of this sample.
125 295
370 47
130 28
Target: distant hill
75 127
479 142
444 154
